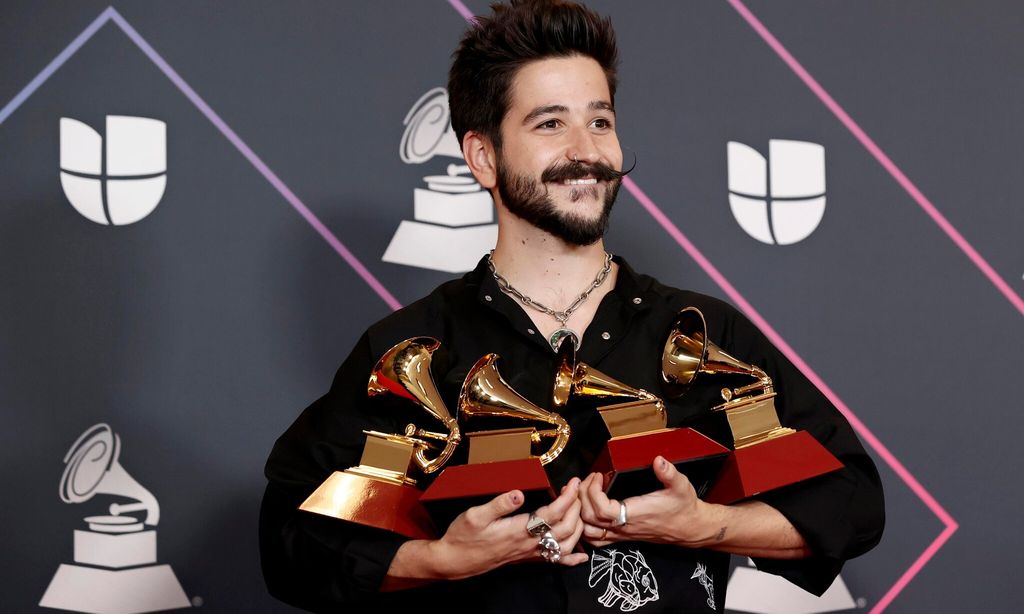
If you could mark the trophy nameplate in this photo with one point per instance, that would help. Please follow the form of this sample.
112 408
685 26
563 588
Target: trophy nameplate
377 492
639 436
767 455
499 460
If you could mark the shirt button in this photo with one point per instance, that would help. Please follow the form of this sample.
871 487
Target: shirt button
606 335
637 300
487 297
531 331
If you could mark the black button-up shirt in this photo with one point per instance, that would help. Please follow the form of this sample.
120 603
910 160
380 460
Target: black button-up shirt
322 564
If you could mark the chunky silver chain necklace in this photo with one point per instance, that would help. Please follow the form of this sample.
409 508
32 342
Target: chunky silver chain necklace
561 316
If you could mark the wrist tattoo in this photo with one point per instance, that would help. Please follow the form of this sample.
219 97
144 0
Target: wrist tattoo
721 535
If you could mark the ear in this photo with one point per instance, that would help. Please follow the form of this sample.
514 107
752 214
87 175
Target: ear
481 158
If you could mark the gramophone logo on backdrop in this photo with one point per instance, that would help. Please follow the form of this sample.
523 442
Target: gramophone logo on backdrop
115 569
781 200
453 225
122 183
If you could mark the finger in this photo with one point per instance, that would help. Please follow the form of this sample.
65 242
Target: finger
587 507
669 476
567 525
605 511
600 536
554 511
570 540
592 532
574 559
496 508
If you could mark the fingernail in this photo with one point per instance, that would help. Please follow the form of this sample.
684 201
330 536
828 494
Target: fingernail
664 464
515 498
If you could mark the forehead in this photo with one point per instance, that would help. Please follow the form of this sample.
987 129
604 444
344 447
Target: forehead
573 82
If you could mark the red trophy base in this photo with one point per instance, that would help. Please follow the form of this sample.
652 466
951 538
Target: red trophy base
461 487
769 465
372 502
626 461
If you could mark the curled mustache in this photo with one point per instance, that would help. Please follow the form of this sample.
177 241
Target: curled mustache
578 170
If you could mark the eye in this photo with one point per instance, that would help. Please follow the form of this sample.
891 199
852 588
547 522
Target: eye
549 124
602 123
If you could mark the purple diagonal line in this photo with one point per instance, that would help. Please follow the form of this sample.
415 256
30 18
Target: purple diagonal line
879 155
57 62
251 156
111 14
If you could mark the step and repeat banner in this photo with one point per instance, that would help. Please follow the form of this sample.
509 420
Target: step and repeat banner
202 205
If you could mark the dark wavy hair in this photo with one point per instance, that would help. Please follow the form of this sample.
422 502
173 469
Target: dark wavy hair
496 47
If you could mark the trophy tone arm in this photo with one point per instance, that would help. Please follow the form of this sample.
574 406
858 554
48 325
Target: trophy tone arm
452 440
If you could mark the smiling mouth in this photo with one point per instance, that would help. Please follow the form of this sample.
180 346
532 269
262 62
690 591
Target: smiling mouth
590 181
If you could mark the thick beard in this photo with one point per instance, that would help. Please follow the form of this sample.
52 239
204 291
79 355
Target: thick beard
530 201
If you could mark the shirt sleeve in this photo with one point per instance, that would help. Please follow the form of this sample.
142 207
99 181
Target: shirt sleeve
312 561
841 514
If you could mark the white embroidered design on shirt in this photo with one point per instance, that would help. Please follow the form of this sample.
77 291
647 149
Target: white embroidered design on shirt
629 579
701 575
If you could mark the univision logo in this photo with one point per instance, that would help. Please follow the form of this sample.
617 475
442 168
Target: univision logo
122 184
779 200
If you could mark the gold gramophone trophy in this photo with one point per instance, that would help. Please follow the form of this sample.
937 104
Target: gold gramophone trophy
638 430
378 492
767 455
499 460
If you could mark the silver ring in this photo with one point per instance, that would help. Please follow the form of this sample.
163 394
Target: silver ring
621 520
550 551
536 526
575 158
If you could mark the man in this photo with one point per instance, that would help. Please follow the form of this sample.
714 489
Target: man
532 100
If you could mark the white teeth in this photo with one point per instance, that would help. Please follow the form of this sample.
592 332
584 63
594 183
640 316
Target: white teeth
590 181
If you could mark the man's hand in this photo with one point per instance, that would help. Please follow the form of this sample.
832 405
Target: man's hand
672 515
486 537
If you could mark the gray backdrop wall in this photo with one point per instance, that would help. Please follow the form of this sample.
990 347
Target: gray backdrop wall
200 331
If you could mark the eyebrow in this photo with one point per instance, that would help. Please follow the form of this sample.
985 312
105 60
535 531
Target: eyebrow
596 105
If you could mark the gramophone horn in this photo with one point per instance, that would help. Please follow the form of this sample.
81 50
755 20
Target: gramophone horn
574 378
404 370
486 393
688 352
428 130
91 467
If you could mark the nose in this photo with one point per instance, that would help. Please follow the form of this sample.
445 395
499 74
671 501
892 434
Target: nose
582 147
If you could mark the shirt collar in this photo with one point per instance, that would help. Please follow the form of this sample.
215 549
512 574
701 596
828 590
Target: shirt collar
631 294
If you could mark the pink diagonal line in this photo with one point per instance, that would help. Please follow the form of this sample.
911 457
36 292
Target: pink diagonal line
950 525
813 377
462 9
911 189
911 571
256 161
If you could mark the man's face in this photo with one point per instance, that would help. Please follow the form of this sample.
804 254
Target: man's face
560 112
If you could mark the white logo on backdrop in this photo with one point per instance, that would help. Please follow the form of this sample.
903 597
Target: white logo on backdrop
115 569
453 225
122 183
754 591
781 200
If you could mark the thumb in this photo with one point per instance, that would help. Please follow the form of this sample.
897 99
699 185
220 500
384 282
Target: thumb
502 505
668 475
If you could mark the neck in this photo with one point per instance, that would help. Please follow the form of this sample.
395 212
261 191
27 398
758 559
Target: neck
543 266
